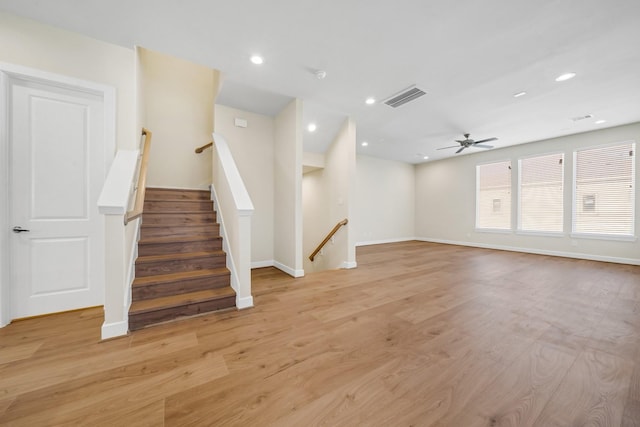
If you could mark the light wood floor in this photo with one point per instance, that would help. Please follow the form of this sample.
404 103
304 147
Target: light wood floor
419 334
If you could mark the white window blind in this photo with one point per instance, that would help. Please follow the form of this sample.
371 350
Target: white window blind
541 193
604 190
493 196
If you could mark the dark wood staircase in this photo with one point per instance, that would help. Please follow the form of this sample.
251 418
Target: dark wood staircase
180 269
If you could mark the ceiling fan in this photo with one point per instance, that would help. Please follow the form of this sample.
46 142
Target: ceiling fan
466 143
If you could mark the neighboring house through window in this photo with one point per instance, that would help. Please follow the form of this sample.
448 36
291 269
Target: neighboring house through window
493 196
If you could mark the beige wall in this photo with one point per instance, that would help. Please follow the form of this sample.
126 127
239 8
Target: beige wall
445 199
315 208
384 200
334 188
287 224
30 44
253 151
178 99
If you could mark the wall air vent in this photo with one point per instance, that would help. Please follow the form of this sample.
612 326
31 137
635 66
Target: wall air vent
405 96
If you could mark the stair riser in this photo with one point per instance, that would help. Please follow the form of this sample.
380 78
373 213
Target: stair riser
179 231
149 291
180 265
179 247
178 206
138 321
151 218
157 194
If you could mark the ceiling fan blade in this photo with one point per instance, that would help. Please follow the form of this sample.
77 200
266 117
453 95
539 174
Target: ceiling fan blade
485 140
483 146
461 148
443 148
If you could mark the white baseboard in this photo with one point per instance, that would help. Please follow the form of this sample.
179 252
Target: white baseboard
115 329
290 271
242 303
383 241
349 265
262 264
575 255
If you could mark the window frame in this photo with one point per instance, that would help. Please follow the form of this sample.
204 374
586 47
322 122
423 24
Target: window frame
574 203
477 190
519 197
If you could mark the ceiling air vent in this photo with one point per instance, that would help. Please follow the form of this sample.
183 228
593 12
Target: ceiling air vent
405 96
577 119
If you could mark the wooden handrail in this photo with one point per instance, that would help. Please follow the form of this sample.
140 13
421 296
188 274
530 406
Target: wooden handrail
142 179
329 236
204 147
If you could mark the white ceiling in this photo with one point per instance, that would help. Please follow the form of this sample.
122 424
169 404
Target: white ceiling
469 56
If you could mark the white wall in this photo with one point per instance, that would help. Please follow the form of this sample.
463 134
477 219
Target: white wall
384 201
445 200
253 151
287 224
178 99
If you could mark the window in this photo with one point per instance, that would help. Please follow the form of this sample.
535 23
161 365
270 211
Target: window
604 194
541 193
493 196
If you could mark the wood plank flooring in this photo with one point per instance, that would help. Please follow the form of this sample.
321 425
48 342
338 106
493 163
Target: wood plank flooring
420 334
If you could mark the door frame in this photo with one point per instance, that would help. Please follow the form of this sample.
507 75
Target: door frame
12 71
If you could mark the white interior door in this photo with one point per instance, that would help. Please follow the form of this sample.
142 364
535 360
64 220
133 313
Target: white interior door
57 168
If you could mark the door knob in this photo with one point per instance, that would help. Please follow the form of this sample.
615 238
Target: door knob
18 229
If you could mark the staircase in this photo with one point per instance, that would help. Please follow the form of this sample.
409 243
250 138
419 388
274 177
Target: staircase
180 269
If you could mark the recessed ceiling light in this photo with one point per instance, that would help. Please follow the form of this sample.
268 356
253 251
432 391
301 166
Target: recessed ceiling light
370 101
257 59
425 157
599 122
312 127
565 76
364 143
519 94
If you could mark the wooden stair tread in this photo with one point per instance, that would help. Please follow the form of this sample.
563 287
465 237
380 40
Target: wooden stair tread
181 275
154 190
177 256
164 199
180 268
170 213
145 306
188 224
178 239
